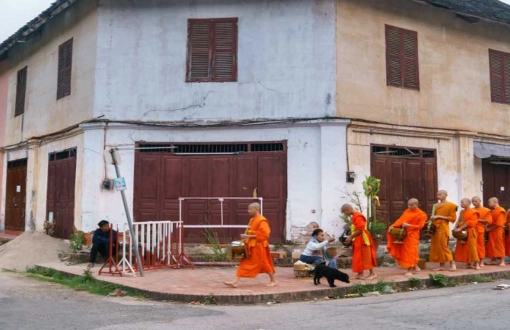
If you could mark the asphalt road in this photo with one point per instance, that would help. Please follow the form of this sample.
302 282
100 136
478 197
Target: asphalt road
28 304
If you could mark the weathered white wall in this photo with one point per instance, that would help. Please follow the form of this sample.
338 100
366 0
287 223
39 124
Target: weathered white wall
314 176
286 60
45 114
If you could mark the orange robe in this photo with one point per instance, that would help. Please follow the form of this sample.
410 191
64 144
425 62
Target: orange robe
495 247
485 214
466 251
260 260
507 238
363 255
406 253
439 249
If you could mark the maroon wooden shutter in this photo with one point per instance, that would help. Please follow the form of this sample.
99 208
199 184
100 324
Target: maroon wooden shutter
499 64
21 89
212 50
65 62
402 58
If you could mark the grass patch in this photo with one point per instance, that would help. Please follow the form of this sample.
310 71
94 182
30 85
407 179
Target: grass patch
381 286
414 282
480 279
441 280
85 282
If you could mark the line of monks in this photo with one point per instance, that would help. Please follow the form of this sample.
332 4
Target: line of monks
473 222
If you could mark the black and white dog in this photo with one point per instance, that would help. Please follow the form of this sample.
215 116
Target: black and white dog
330 273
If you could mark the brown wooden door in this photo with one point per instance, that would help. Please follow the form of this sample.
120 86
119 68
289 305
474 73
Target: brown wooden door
15 202
60 197
405 173
162 177
496 181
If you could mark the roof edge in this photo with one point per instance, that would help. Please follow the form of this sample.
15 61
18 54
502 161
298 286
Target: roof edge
55 8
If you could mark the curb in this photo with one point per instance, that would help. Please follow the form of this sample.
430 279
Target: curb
333 293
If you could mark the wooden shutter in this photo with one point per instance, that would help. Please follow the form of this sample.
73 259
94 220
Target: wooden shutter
212 50
499 64
65 63
402 58
21 89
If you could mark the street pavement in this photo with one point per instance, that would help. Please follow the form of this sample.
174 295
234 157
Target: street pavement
29 304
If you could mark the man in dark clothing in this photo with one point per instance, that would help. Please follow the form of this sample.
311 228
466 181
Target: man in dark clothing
101 242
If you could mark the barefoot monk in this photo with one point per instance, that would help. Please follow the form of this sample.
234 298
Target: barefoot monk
406 254
495 247
465 251
484 220
363 249
259 260
446 213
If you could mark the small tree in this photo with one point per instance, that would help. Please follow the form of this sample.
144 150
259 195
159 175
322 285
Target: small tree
371 186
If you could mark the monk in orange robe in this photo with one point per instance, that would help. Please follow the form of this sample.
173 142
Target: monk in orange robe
484 220
446 213
413 219
465 251
259 259
363 248
495 246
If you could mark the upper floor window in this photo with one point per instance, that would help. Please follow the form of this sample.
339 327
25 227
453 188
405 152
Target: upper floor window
212 50
21 90
65 63
402 58
500 76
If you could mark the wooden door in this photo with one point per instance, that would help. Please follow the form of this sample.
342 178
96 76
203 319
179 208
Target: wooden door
15 201
405 173
162 177
60 196
496 181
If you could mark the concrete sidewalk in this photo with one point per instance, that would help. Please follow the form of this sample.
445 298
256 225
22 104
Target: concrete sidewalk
187 285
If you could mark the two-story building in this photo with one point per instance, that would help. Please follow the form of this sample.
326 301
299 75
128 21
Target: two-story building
292 101
204 99
426 85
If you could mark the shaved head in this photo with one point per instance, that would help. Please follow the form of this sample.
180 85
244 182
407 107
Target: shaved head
255 206
346 207
465 200
494 200
476 198
442 192
413 201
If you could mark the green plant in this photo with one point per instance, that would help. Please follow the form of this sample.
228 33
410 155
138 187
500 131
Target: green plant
440 280
210 300
80 283
214 244
414 282
77 240
381 287
377 229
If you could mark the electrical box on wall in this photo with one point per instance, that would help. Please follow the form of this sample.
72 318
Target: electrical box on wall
107 184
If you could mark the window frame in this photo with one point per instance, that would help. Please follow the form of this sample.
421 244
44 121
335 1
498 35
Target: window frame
503 77
65 49
402 58
212 51
21 92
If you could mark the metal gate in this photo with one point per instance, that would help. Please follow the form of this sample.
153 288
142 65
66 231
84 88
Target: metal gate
60 197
